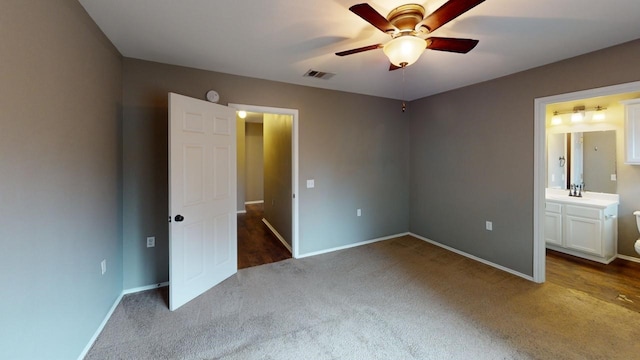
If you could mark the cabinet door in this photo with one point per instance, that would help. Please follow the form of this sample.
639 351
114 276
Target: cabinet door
553 228
632 133
584 235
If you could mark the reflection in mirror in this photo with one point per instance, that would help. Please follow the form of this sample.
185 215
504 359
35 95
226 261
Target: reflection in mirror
587 158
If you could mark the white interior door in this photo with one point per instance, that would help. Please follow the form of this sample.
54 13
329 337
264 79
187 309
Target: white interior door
202 197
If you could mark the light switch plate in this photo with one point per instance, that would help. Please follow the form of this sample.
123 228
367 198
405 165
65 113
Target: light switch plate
311 183
489 226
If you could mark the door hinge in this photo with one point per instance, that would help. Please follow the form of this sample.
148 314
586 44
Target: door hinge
169 218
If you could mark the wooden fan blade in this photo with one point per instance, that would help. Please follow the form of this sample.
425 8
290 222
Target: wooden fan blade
358 50
373 17
447 12
394 67
456 45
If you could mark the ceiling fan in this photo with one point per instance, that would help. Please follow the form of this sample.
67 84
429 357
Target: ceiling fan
408 27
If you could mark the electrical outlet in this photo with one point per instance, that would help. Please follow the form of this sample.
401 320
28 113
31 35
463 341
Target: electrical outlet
103 266
359 212
151 241
489 225
311 183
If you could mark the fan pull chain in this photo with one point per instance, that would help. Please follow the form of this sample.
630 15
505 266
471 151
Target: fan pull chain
404 106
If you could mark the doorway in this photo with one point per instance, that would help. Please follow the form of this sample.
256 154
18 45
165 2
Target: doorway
540 162
257 244
279 203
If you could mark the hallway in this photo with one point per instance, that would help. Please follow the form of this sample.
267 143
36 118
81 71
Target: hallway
256 244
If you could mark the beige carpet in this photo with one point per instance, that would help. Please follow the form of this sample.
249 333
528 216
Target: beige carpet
397 299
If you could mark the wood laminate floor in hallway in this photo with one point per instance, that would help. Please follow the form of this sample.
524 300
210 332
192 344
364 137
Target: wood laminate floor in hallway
256 244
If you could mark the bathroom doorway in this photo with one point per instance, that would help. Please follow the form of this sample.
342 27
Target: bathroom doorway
625 176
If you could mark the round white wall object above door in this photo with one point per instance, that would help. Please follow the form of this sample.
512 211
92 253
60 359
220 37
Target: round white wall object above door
213 96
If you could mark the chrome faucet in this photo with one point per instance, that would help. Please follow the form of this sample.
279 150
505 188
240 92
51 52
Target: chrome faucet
576 190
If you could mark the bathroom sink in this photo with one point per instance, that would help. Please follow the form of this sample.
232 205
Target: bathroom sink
581 200
588 199
578 198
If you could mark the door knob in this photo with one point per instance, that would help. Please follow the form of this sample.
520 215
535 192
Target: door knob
179 218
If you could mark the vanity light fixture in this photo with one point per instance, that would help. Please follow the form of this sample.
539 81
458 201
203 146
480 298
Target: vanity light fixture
578 114
577 117
599 115
242 114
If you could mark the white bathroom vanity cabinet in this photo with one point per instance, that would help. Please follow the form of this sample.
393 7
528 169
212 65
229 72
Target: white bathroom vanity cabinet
582 226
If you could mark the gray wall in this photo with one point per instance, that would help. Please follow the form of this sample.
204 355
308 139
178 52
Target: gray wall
354 146
629 190
472 157
254 162
277 173
60 97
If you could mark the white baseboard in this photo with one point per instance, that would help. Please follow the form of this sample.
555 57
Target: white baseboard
101 327
629 258
350 245
112 309
277 234
254 202
144 288
472 257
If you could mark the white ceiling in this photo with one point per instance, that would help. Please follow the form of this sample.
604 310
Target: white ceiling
281 39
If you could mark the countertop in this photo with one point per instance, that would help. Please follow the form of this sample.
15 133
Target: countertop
593 199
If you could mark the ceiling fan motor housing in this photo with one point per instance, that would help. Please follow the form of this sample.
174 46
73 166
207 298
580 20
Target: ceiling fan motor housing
406 17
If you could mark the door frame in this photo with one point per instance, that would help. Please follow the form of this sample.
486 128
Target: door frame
295 231
539 163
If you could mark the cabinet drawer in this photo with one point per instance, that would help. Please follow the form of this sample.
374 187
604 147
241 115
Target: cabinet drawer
584 212
553 207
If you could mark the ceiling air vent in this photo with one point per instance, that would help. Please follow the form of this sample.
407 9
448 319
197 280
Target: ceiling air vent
319 74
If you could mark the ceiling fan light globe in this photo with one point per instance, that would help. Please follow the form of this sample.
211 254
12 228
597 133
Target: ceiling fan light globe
404 50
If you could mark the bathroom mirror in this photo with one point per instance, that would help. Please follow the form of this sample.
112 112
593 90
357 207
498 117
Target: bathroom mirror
582 157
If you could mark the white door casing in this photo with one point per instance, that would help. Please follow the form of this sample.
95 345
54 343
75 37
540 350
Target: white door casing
202 190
